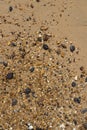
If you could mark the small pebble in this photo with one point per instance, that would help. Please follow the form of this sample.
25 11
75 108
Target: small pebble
75 122
5 64
72 48
32 6
45 47
63 46
14 102
27 91
45 37
37 0
9 76
76 78
37 128
85 125
39 39
73 84
81 68
10 8
86 79
82 75
77 100
12 44
32 69
30 127
83 111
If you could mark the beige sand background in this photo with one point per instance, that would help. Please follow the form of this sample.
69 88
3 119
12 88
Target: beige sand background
63 19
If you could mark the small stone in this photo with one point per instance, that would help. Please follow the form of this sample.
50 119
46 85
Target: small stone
63 46
82 75
39 39
30 127
62 126
58 52
85 125
12 44
45 47
37 128
32 69
81 68
75 122
73 84
27 91
37 0
83 111
5 64
77 100
72 48
32 6
12 55
10 8
45 37
76 78
62 54
43 28
1 127
9 76
14 102
86 79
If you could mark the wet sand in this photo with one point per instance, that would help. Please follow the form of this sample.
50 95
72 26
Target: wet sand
43 73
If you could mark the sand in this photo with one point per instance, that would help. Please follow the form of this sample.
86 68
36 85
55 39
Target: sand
43 68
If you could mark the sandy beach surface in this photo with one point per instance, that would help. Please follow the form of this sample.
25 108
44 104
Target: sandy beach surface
43 67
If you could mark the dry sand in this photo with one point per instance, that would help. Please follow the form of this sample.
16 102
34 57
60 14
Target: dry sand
43 73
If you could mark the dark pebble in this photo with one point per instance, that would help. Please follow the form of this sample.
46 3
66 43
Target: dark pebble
12 55
27 91
37 0
82 75
81 68
85 125
32 6
23 55
72 48
39 39
75 122
83 111
73 84
63 46
9 76
77 100
32 69
45 37
14 102
86 79
1 127
10 8
13 44
37 128
5 64
45 47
